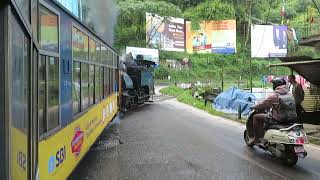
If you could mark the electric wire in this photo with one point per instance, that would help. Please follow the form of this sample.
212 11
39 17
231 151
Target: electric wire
315 4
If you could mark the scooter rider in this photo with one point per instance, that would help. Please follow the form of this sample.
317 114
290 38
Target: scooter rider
282 105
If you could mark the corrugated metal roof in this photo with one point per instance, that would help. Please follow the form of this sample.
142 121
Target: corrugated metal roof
311 103
310 41
305 66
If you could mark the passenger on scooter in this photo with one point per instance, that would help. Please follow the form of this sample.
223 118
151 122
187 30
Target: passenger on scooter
282 105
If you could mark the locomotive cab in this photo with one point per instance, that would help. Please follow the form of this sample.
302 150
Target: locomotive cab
138 83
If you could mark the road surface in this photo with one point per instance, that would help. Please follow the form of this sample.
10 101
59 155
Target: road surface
171 140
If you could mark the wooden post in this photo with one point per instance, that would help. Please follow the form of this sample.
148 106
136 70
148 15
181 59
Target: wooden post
239 112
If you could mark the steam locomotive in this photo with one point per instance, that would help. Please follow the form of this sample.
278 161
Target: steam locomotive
137 82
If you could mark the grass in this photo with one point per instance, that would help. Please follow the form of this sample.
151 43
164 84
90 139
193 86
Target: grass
314 141
163 81
185 96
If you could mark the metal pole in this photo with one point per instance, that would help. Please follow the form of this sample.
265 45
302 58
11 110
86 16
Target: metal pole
251 75
222 71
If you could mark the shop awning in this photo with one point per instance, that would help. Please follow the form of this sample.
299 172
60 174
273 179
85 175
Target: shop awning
305 66
310 41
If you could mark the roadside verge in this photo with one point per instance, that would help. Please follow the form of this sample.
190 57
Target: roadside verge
185 96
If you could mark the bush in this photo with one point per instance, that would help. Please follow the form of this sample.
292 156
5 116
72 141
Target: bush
161 72
208 67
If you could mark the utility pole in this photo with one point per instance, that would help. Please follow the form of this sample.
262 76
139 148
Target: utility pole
251 83
222 72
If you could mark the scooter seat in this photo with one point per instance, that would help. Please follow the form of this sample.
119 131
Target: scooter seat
278 126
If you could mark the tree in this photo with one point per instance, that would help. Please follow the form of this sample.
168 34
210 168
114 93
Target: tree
131 25
184 4
211 10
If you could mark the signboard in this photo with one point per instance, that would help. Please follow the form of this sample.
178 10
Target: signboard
212 37
268 41
166 33
148 54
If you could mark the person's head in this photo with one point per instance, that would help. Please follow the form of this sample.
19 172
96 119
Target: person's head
292 79
276 82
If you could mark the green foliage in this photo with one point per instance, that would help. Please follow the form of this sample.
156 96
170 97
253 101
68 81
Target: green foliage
209 67
184 4
161 72
130 31
211 10
235 69
172 91
131 25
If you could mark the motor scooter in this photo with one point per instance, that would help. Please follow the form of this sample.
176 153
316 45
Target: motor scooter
284 141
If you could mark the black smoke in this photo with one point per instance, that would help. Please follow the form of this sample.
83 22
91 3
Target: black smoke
101 17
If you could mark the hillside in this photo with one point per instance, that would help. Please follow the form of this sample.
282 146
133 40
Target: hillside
297 14
209 67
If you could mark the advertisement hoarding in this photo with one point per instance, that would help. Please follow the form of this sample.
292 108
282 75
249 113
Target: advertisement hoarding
165 33
212 37
269 41
148 54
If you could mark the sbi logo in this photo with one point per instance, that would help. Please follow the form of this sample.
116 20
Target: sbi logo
55 161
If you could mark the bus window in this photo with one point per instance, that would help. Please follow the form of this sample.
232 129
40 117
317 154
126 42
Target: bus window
76 88
53 92
80 45
91 84
84 86
97 84
49 30
42 95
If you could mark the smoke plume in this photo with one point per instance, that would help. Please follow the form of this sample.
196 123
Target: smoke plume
101 16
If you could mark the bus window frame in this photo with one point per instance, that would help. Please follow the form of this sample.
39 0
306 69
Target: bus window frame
9 14
96 64
55 55
5 152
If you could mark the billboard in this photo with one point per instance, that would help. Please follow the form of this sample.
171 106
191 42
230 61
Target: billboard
148 54
269 41
212 37
165 33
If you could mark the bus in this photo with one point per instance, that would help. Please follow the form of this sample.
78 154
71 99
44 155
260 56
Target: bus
59 89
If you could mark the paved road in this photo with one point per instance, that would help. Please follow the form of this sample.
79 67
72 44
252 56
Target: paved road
170 140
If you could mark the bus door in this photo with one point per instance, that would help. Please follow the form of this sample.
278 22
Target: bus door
19 98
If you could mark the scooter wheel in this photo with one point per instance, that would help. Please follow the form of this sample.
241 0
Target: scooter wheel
246 138
291 159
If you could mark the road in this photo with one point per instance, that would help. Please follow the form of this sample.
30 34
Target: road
171 140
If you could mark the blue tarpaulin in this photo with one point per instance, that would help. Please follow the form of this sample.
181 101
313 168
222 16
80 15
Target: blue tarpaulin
230 101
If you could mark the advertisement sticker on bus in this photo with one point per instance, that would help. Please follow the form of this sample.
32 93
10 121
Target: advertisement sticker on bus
77 141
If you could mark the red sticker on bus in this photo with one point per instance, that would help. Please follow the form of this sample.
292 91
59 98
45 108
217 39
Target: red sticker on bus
77 141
